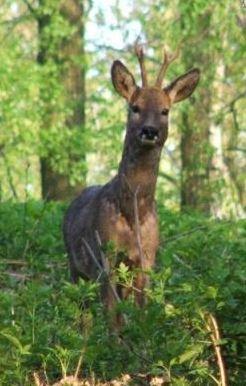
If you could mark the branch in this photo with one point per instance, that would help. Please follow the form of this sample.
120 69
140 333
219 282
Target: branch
213 328
79 364
230 105
171 156
101 269
236 149
180 235
136 219
104 260
30 7
137 225
15 21
14 262
37 380
169 178
240 96
18 276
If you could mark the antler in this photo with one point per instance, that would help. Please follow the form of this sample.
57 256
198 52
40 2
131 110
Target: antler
167 60
140 55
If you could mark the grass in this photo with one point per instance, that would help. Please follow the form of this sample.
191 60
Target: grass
43 328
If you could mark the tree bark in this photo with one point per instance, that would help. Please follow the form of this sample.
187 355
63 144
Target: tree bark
231 160
68 56
196 150
196 157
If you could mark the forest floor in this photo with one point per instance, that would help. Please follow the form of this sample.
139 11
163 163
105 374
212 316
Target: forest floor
191 332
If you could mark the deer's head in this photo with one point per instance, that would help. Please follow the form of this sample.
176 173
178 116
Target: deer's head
149 105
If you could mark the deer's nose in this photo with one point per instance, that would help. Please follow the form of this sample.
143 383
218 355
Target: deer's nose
149 133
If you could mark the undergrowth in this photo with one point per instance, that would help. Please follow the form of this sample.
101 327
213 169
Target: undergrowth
44 326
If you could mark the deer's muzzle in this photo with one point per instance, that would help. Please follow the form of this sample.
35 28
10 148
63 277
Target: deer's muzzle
149 135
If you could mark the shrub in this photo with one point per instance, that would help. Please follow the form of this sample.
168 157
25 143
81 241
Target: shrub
45 326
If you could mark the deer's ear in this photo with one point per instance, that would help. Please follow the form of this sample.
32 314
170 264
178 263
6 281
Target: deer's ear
183 86
123 80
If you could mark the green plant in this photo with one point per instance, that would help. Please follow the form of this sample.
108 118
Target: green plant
47 324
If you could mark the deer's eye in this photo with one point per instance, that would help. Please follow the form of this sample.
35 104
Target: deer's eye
135 109
165 112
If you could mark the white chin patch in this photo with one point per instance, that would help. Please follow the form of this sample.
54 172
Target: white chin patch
147 141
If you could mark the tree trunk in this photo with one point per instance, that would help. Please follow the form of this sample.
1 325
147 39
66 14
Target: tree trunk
195 160
231 160
196 150
68 56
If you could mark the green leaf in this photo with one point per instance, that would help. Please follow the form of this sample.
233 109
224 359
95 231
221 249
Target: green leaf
23 350
188 355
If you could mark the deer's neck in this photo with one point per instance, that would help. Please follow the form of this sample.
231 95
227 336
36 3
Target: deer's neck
137 177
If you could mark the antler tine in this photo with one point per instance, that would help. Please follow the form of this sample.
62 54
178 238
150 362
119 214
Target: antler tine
168 59
140 55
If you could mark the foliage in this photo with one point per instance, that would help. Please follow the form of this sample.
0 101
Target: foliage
35 109
48 325
45 326
207 118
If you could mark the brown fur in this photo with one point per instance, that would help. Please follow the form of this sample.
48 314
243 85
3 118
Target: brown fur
109 210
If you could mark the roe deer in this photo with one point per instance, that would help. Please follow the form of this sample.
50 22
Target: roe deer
123 211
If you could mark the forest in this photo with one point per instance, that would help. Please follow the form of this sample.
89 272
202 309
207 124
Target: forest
62 130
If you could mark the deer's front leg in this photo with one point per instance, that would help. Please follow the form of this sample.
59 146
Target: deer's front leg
141 279
140 283
109 294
